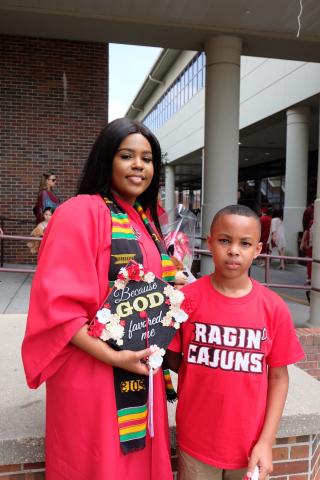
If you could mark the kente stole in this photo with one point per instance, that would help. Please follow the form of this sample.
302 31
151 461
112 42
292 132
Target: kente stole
131 390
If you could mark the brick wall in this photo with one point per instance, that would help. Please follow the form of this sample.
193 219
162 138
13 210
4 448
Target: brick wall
53 101
310 341
24 471
294 458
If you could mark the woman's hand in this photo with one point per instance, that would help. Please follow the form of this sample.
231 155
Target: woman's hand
180 279
134 362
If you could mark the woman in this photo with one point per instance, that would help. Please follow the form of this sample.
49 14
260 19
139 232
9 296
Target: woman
46 197
277 237
77 261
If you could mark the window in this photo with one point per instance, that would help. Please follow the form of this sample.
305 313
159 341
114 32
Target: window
186 85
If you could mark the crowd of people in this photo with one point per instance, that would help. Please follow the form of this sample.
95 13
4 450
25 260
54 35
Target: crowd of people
239 336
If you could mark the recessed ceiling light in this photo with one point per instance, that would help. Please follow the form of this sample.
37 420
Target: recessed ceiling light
267 153
239 143
246 159
248 12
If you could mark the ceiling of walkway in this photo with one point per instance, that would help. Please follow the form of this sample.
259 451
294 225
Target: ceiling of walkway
262 148
268 28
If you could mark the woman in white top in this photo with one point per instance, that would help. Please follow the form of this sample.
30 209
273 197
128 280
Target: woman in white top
277 237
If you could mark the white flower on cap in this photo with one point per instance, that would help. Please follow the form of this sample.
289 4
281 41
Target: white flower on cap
155 359
103 315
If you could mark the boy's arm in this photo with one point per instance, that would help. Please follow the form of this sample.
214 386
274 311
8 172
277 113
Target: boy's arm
261 455
173 360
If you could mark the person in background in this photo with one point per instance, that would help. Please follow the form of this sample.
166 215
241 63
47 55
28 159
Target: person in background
277 236
46 196
265 221
90 434
306 246
231 356
39 230
307 216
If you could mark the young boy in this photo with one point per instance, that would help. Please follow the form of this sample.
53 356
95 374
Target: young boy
38 231
235 346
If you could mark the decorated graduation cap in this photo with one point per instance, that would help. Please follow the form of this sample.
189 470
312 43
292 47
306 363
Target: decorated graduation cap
141 310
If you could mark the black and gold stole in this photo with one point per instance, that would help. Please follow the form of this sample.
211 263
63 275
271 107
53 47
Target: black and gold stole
131 390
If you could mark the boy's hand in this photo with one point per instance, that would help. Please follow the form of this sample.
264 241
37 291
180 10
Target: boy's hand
262 457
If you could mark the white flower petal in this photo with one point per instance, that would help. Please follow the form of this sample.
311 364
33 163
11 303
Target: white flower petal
103 315
124 272
149 277
168 290
155 359
180 316
119 284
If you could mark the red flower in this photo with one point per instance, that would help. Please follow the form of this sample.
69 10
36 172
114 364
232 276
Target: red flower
121 277
95 329
167 302
106 305
134 272
143 314
122 323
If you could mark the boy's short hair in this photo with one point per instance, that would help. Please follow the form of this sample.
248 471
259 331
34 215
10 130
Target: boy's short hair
236 209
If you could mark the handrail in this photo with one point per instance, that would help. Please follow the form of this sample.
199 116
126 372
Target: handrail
17 270
18 221
15 237
268 257
20 237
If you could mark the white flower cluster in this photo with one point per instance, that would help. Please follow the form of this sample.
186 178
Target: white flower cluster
175 313
113 330
120 284
149 277
156 358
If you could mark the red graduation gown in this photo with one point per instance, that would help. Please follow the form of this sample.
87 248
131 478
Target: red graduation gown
82 440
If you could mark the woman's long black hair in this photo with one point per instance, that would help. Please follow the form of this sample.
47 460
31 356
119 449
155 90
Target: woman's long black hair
97 172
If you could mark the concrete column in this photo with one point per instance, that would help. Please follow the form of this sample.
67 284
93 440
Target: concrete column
295 199
169 201
222 95
257 196
191 199
315 279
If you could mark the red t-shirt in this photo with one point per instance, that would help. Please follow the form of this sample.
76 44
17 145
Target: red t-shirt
227 344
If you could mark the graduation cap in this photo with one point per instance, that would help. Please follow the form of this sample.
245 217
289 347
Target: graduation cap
141 310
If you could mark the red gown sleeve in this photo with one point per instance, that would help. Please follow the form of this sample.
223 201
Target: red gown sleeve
69 284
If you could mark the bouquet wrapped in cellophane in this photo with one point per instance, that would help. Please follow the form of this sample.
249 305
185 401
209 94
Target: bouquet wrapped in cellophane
178 228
